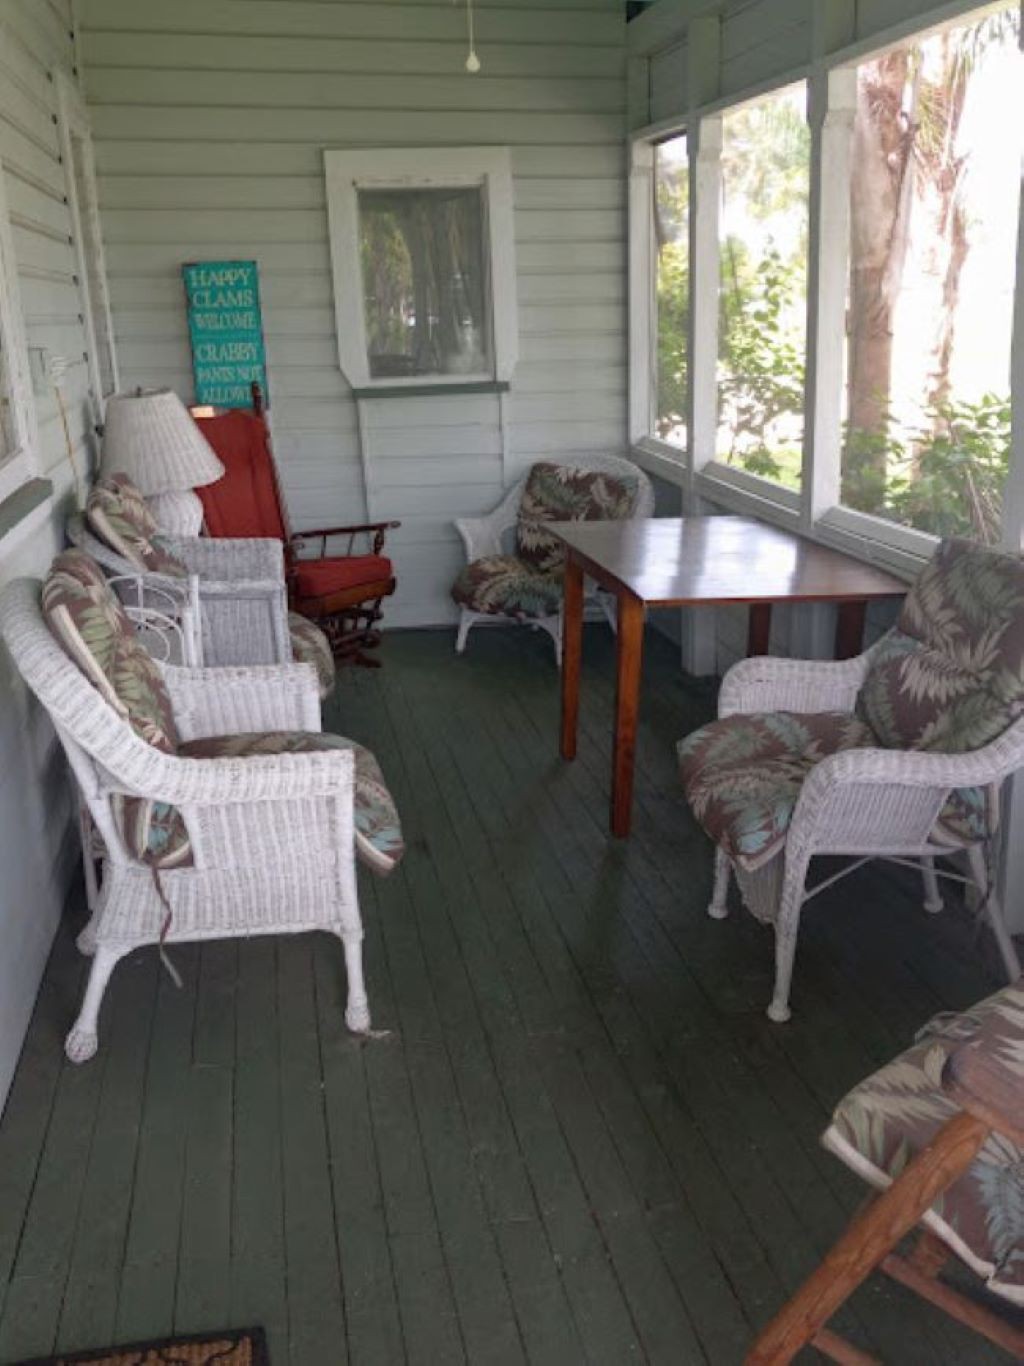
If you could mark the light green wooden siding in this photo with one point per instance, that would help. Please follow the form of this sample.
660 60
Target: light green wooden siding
211 120
38 846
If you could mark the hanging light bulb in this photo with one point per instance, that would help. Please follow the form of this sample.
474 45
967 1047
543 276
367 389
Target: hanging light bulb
472 61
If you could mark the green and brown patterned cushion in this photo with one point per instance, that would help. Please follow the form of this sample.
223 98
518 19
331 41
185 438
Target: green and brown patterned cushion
311 646
119 515
566 493
886 1120
950 675
379 840
502 585
91 626
742 774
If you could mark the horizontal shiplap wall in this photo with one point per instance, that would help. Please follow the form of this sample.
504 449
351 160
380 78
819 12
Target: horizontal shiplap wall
211 119
37 843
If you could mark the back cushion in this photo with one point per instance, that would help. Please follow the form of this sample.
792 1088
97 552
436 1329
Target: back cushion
245 502
120 517
91 626
566 493
950 675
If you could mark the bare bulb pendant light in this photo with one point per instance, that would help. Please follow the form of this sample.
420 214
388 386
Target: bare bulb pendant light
472 61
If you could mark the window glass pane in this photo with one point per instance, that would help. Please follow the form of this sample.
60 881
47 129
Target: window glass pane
8 441
934 200
425 282
763 285
672 228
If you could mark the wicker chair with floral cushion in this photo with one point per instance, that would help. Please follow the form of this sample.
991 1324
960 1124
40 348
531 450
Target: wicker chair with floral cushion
898 753
223 810
237 587
525 585
940 1132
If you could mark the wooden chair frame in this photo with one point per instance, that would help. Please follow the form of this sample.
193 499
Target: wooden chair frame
991 1100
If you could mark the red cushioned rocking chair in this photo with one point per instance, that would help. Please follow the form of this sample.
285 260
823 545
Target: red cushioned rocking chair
341 593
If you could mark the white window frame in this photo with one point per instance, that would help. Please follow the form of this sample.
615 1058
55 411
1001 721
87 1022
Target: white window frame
486 168
817 511
73 126
20 465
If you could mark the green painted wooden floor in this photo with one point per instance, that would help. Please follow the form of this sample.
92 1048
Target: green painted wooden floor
583 1142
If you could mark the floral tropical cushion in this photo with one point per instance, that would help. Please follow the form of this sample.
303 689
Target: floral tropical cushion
890 1117
566 493
743 774
311 646
379 840
950 676
119 515
502 585
92 628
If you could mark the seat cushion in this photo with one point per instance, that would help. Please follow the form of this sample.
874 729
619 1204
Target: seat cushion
91 626
566 493
885 1121
950 676
743 774
502 585
311 646
379 842
120 517
338 574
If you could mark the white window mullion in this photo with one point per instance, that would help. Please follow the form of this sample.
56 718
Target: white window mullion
832 104
705 204
643 317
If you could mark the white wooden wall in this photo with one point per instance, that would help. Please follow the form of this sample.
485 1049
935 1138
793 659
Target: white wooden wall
38 845
211 117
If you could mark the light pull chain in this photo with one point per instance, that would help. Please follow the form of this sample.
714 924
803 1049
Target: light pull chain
472 61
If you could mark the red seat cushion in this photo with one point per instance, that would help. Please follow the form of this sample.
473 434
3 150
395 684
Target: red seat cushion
245 502
321 578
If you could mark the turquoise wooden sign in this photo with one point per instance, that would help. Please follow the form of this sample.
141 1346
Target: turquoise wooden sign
225 327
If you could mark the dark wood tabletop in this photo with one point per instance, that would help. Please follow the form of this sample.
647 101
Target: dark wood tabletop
672 561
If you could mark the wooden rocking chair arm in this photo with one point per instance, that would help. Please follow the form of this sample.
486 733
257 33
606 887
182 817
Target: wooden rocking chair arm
343 530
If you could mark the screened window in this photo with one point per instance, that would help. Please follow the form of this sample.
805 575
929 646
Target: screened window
425 296
17 419
934 193
672 286
763 233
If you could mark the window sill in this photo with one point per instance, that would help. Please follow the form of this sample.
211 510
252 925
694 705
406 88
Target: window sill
429 390
25 510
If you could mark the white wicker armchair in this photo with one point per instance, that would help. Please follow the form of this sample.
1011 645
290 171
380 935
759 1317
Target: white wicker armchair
484 536
866 802
272 835
237 586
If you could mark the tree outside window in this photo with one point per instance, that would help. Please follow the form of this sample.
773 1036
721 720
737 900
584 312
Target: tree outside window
672 240
934 197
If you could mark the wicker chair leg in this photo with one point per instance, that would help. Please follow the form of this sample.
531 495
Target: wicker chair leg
787 926
994 911
718 907
466 620
933 902
357 1009
82 1041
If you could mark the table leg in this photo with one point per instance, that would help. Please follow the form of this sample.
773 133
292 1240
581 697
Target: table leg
759 628
850 629
572 647
630 642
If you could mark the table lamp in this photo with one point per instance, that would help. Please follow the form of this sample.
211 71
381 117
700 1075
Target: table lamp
150 436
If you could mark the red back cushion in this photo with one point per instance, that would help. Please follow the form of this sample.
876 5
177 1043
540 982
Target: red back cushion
245 502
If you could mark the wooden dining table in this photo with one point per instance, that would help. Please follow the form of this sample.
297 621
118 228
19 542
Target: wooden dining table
695 562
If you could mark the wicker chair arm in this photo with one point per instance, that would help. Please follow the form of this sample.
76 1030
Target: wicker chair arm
264 778
481 536
228 701
766 683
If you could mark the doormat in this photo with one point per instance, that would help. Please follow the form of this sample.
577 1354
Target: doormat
232 1347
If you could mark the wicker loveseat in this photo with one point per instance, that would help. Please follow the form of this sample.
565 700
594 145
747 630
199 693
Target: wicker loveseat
223 812
899 753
